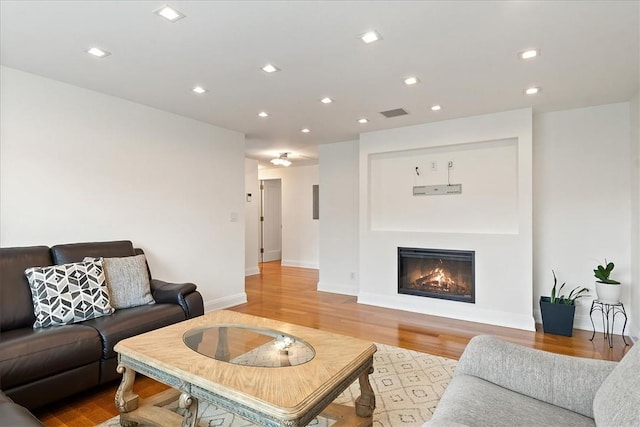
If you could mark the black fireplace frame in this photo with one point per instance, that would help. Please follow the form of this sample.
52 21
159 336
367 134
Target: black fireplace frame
454 255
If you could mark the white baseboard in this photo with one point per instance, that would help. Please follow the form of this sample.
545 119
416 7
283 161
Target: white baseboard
449 309
297 263
251 271
225 302
338 288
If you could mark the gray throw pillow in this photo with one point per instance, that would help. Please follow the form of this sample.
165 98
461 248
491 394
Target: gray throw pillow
128 281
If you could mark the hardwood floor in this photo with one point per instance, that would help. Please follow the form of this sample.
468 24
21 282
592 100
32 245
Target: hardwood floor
289 294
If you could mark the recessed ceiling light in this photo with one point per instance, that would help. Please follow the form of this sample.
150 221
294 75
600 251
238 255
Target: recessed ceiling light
270 68
532 90
305 130
411 81
528 54
326 100
370 37
363 120
263 114
96 51
436 108
169 13
199 89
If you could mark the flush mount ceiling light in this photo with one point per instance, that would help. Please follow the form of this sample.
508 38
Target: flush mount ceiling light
169 13
409 81
305 130
281 160
270 68
199 90
370 37
263 114
532 90
326 100
97 52
436 108
363 120
528 54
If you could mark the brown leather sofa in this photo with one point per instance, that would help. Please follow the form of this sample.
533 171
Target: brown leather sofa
14 415
39 366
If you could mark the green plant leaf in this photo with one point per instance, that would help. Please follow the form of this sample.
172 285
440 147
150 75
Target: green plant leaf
609 267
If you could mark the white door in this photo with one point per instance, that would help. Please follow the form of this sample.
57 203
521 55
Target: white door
271 216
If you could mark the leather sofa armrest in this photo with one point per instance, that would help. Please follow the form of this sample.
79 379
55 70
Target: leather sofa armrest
565 381
12 414
183 294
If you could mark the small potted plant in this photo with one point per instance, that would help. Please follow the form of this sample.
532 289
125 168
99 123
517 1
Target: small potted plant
558 310
608 290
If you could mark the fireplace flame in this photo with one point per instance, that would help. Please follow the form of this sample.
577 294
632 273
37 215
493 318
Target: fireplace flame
439 280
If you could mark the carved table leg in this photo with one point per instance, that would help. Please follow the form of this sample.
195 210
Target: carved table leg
366 403
190 404
126 399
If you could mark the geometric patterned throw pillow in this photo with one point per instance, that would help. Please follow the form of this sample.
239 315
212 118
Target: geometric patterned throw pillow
68 293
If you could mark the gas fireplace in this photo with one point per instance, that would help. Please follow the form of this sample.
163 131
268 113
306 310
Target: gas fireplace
437 273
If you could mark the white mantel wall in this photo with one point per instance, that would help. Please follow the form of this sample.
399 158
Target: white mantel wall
78 166
504 290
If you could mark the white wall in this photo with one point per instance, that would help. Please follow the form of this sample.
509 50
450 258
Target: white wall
503 259
582 208
77 166
252 220
299 230
339 217
635 217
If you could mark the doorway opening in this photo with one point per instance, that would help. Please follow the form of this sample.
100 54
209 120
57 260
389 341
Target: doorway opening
270 220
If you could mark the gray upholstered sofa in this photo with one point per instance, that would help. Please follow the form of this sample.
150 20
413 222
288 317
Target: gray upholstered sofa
503 384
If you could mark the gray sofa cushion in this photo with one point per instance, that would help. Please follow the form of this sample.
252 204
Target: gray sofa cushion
472 401
565 381
617 402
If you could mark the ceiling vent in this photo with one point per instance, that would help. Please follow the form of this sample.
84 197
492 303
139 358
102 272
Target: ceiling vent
394 113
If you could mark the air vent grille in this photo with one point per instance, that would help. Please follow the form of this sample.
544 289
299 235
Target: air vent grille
394 113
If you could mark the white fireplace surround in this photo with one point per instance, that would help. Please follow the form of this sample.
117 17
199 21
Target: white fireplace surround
492 159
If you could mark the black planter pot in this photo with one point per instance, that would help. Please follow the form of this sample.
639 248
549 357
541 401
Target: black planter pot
557 318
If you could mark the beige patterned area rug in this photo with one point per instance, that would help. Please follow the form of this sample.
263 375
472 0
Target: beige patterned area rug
407 386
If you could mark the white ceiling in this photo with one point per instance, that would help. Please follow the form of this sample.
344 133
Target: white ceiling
464 52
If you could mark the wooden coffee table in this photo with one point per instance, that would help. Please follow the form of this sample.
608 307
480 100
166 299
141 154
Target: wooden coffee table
222 370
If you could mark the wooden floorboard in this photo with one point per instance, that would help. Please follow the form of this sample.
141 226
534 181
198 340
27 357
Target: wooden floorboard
289 294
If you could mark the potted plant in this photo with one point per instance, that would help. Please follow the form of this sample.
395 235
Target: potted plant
558 310
608 290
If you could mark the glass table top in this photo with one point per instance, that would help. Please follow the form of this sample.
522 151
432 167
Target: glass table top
249 346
